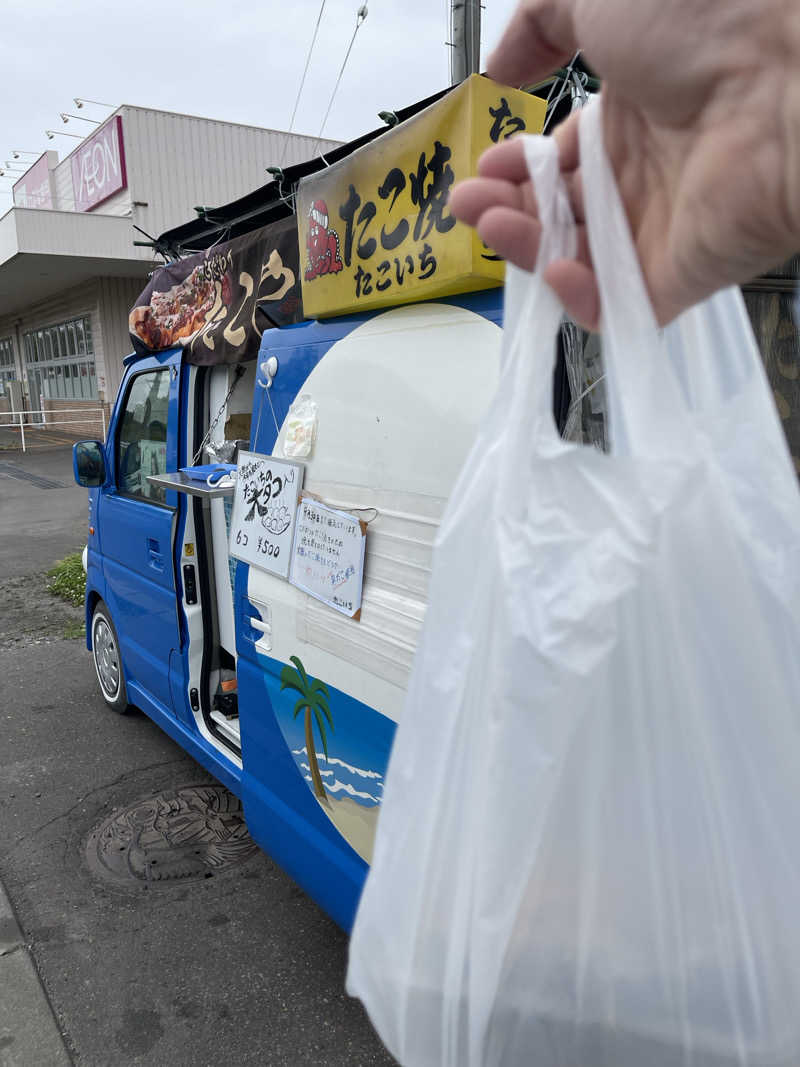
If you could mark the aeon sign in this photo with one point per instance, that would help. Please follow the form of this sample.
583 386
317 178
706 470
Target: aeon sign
98 166
34 188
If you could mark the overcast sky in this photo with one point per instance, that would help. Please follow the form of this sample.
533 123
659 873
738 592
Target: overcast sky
239 60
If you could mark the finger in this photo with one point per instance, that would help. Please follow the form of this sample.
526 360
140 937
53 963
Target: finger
503 170
471 198
583 255
574 184
539 38
505 160
512 234
576 287
566 137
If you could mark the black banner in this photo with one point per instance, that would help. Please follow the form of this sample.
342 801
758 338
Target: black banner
216 304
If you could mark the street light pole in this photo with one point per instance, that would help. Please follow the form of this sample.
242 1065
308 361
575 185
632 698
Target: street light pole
465 16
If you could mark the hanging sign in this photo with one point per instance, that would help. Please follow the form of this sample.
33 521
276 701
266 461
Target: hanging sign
328 556
264 510
216 304
375 229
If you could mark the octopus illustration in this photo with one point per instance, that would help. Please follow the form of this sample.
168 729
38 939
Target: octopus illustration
262 495
322 243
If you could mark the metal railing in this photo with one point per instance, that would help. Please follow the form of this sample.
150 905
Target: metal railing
51 418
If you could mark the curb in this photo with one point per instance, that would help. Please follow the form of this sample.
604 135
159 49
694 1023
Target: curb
29 1032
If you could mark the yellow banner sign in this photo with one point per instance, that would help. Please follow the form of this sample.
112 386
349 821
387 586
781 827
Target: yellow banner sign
375 229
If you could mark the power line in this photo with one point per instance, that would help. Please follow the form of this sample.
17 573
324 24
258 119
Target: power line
302 81
360 17
448 18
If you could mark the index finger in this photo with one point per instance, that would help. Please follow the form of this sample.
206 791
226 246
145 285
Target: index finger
539 38
507 159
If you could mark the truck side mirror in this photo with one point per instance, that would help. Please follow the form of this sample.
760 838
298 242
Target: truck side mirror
89 464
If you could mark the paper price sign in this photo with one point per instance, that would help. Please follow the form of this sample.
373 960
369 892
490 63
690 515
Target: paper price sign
328 556
264 511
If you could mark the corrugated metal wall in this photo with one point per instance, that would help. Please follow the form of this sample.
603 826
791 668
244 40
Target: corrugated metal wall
62 179
116 298
176 162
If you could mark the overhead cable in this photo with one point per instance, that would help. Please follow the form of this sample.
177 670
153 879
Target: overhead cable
360 17
302 81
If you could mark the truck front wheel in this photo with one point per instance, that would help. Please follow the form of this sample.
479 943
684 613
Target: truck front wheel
107 660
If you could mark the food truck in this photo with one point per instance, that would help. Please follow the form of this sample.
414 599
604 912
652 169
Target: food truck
286 436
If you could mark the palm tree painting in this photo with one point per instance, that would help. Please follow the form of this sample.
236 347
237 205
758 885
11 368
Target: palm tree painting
314 700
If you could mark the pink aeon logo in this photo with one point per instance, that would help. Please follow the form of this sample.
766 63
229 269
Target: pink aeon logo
98 166
33 188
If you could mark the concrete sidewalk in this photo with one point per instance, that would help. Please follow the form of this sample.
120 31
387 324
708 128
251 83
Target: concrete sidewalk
29 1033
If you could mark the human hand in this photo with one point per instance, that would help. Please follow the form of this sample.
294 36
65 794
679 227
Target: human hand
701 119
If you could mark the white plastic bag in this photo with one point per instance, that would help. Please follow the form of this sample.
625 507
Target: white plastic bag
589 849
301 428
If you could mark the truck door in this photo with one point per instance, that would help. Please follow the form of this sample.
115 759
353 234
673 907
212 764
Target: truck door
138 525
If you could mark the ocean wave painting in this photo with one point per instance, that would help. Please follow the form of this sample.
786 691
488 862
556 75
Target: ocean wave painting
341 777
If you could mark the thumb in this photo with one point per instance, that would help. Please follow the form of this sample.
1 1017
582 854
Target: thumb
539 38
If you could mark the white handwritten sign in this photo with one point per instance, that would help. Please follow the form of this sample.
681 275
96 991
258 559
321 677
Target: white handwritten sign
98 166
328 556
264 510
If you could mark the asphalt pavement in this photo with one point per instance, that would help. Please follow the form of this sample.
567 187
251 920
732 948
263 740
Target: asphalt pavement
236 968
38 524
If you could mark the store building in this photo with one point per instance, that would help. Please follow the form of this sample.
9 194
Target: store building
69 268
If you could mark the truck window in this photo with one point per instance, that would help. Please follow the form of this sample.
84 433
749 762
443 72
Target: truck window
142 436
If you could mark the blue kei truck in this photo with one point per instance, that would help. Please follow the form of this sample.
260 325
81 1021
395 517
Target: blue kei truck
265 615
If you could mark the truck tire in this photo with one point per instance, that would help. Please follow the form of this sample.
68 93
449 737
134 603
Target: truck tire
107 660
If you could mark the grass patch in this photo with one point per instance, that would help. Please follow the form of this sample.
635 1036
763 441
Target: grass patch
74 630
67 580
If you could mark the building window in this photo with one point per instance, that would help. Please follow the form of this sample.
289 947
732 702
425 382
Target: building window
59 361
8 372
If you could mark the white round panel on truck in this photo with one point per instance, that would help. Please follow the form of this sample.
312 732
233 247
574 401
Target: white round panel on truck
399 400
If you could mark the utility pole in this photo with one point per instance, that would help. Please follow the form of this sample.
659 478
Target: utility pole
465 17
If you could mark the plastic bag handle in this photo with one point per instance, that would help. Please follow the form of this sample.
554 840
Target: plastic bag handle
532 313
648 414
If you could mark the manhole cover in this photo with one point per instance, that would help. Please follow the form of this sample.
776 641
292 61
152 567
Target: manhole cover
180 835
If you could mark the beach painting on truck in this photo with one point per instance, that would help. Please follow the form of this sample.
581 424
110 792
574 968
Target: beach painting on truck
340 748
